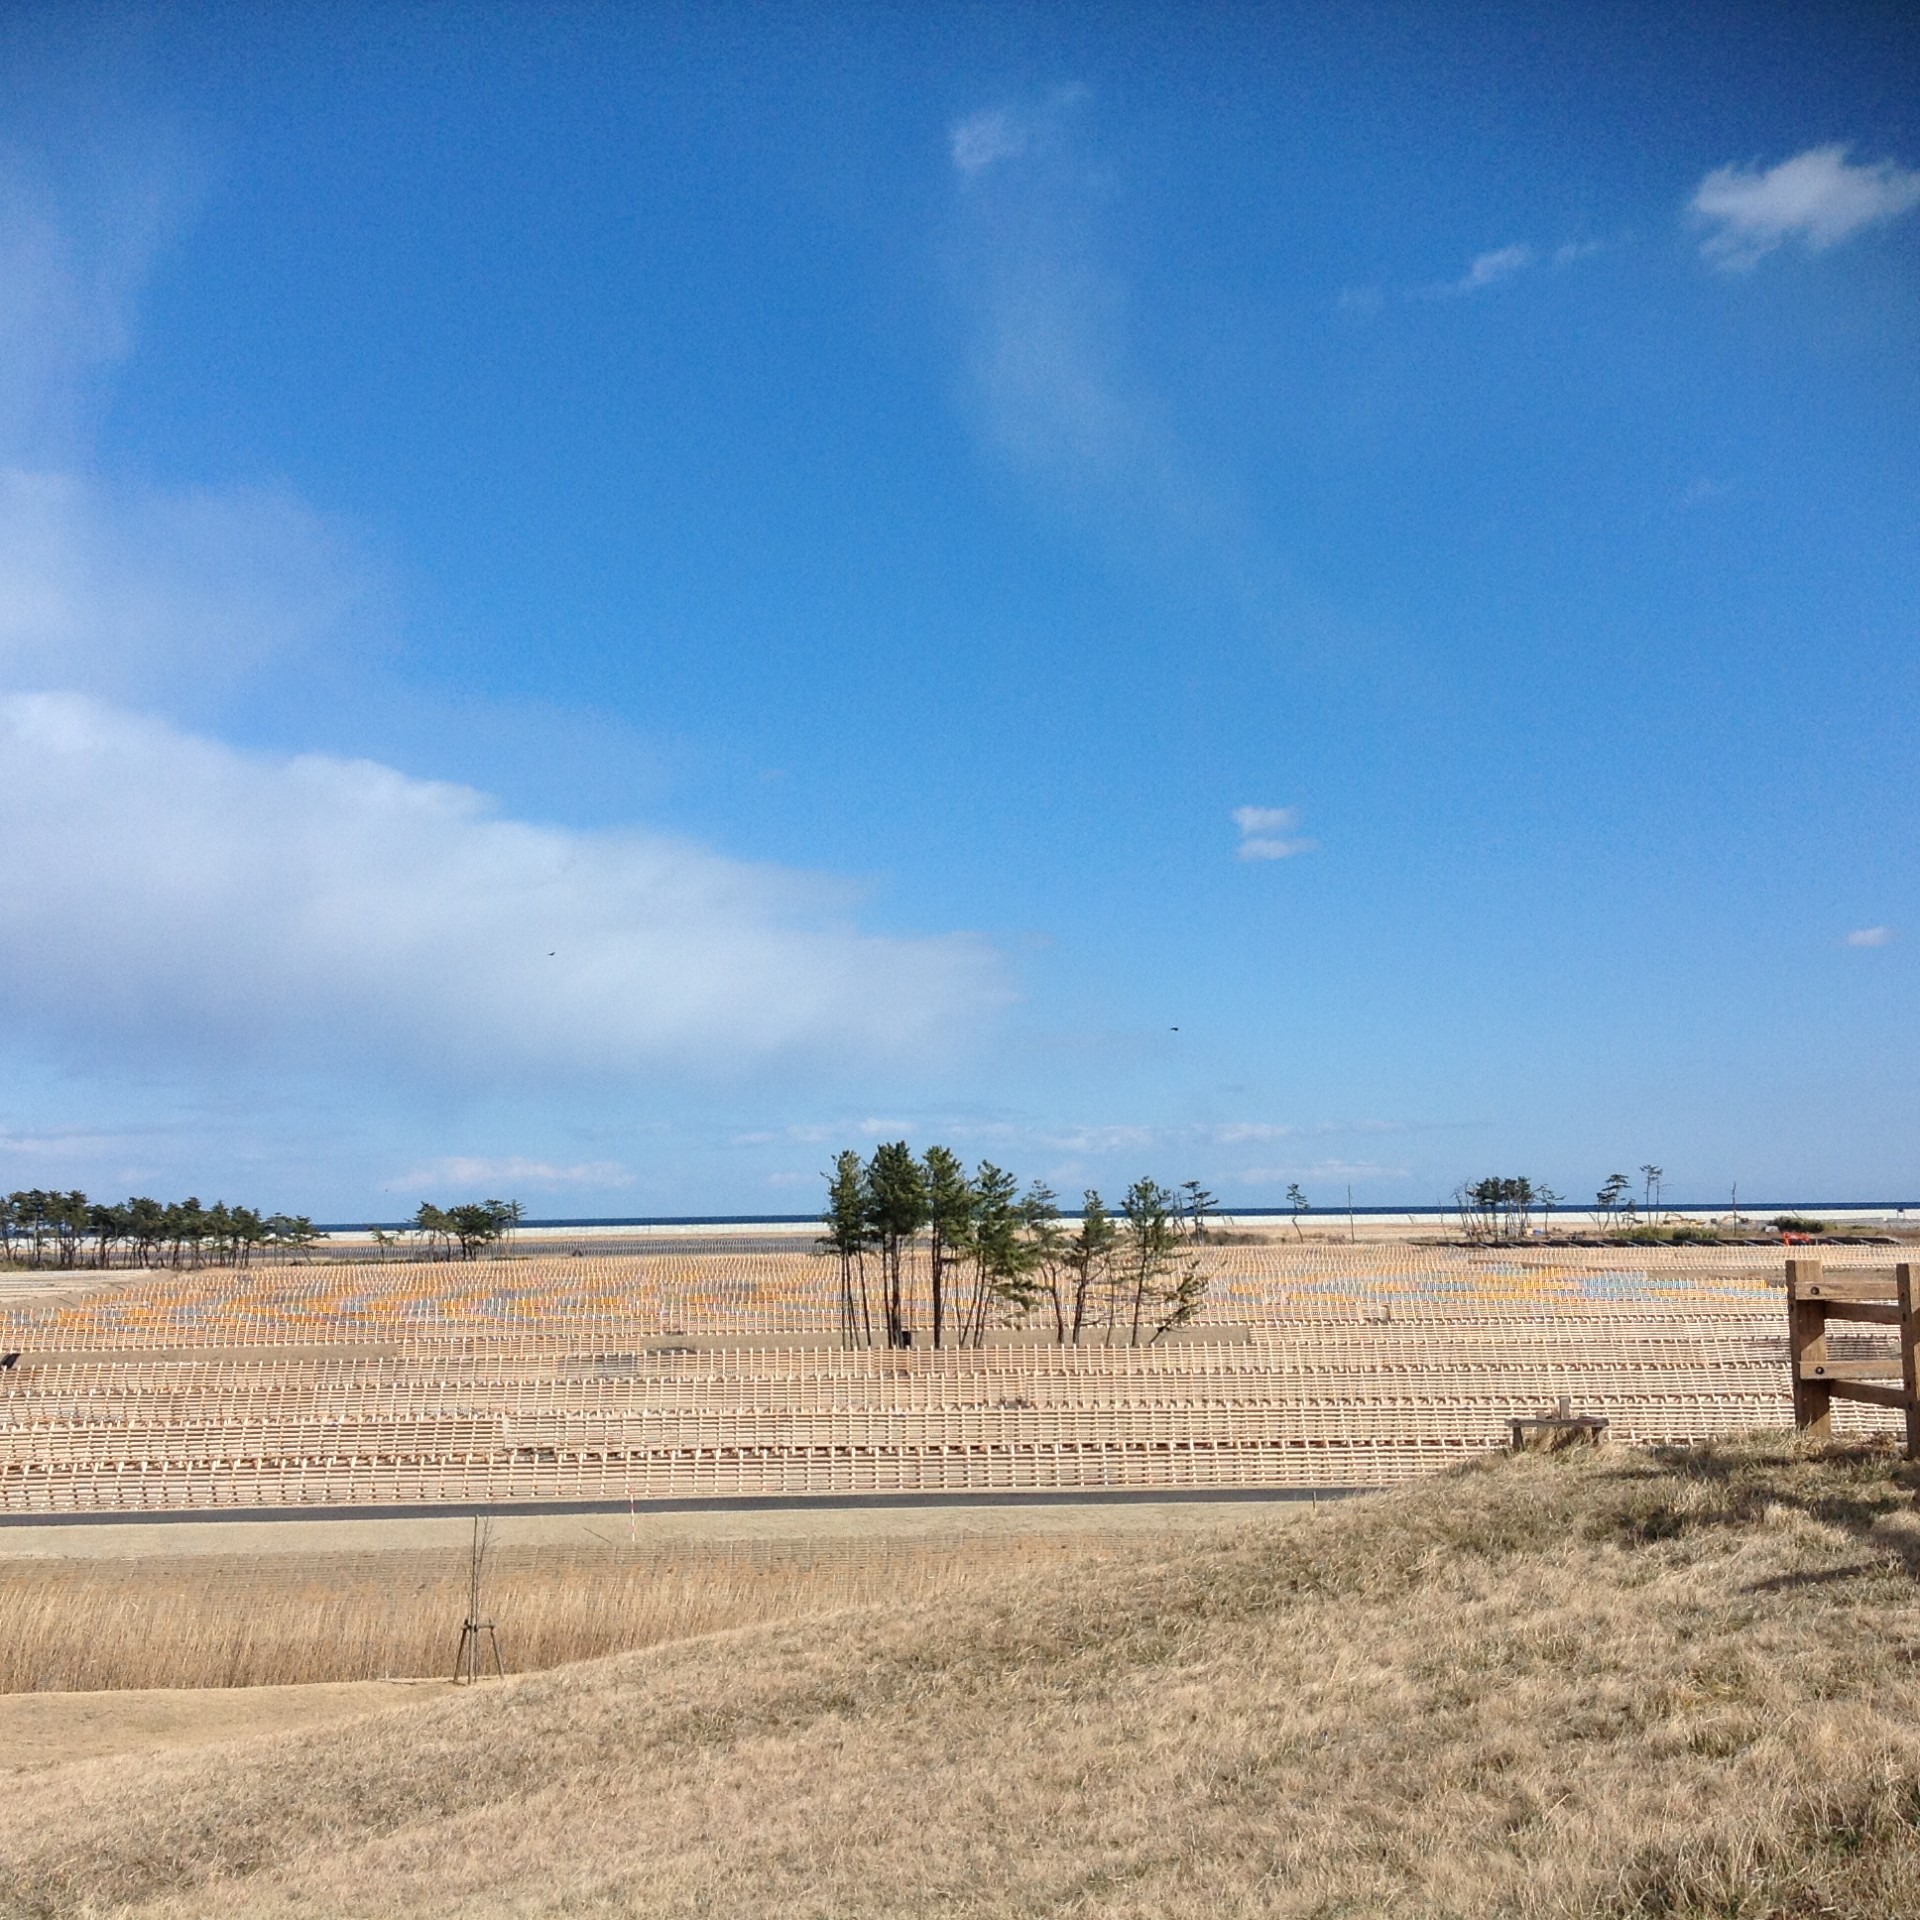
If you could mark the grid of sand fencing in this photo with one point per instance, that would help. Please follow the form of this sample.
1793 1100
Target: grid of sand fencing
669 1375
571 1300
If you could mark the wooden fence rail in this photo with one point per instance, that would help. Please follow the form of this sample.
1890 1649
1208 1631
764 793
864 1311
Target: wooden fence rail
1888 1379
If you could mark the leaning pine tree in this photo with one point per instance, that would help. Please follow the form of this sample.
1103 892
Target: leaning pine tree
1001 1251
849 1237
1161 1274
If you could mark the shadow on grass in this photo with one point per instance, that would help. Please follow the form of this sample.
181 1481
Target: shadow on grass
1851 1485
1825 1577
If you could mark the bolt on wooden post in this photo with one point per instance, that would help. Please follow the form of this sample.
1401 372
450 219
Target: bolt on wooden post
1891 1380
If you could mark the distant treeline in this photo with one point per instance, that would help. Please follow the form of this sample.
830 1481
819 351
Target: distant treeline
1501 1208
923 1237
40 1229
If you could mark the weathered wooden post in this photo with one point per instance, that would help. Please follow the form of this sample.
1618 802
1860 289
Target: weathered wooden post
1807 1340
1903 1284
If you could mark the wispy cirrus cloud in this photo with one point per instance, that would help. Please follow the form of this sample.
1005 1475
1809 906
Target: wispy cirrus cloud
75 257
1495 267
1320 1170
1006 132
1870 937
815 1133
1267 833
1489 269
137 592
1091 1137
1046 318
1057 386
1817 198
1500 264
64 1147
461 1173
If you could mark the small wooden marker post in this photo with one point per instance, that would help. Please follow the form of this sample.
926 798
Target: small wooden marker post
1889 1381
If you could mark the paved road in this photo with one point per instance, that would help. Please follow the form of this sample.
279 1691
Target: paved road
769 1503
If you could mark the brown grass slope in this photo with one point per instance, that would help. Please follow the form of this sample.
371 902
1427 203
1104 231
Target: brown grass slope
1681 1684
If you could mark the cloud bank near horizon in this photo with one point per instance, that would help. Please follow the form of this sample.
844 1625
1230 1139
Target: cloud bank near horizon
191 899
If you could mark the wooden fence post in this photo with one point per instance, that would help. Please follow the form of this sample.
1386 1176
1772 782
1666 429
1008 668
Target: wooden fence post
1903 1285
1807 1340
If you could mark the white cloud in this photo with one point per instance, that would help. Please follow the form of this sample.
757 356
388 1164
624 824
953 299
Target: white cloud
1320 1170
982 138
1266 833
463 1174
132 592
1047 330
1108 1139
1489 269
1265 819
64 1148
192 899
77 243
1048 370
810 1135
1009 132
1184 1146
1502 263
1498 264
1870 937
118 589
1062 387
1818 198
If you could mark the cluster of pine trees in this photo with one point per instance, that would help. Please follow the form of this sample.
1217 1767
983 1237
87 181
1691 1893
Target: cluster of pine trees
43 1229
923 1237
470 1228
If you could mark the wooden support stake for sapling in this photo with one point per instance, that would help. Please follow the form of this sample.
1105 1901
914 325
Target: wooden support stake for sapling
469 1663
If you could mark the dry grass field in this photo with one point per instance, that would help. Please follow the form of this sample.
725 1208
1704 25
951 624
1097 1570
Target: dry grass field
246 1618
41 1730
1624 1684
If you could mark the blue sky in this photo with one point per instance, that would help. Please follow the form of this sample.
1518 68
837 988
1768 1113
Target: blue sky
596 602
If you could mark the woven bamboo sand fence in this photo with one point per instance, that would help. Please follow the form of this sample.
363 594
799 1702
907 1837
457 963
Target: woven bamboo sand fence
671 1375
